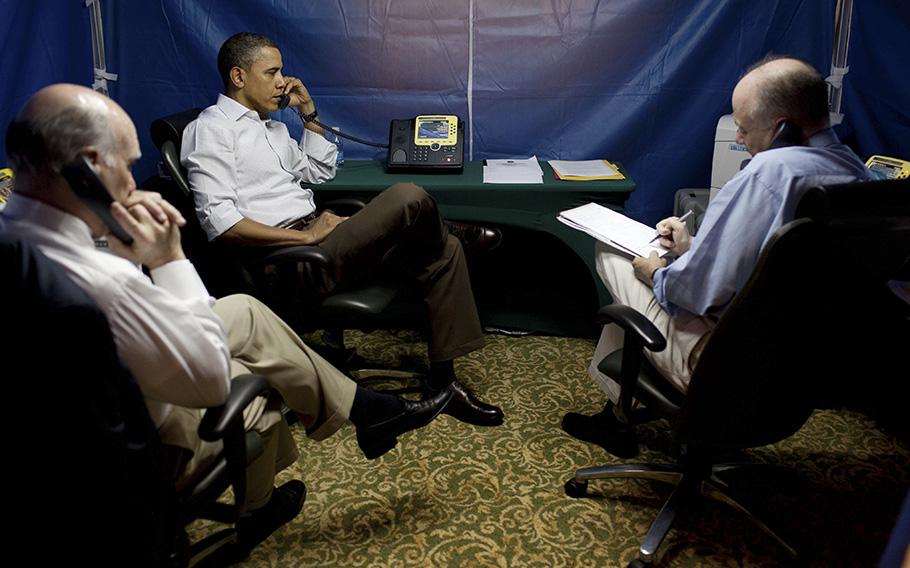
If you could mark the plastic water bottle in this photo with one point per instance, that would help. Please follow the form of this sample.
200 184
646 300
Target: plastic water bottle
338 141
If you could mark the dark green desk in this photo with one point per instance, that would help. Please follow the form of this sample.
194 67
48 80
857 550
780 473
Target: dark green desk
542 277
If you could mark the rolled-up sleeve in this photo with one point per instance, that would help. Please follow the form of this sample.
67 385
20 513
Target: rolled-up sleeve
208 156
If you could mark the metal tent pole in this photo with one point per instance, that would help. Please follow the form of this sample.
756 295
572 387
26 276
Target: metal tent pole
101 74
843 16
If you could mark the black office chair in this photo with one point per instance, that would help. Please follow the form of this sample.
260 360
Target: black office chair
274 278
769 358
89 464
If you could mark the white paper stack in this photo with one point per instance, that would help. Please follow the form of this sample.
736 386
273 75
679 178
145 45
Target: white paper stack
613 228
513 171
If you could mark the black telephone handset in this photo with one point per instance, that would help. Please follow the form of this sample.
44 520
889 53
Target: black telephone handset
788 134
91 191
284 101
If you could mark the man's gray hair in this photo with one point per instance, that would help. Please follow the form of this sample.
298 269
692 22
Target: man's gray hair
44 142
798 93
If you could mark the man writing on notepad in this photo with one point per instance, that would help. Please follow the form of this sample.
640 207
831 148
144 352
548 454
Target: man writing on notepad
781 111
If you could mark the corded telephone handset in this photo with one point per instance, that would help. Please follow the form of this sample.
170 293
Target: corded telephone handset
91 191
423 144
788 134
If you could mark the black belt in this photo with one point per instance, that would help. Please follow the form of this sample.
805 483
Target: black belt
301 223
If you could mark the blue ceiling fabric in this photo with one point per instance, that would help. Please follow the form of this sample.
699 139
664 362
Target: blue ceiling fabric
41 42
642 82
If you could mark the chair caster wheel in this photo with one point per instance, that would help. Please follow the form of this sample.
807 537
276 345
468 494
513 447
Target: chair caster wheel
576 488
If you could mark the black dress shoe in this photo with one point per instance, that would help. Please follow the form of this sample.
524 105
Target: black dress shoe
376 439
468 408
604 430
475 238
285 504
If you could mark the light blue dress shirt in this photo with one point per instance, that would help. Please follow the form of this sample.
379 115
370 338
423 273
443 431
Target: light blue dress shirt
743 216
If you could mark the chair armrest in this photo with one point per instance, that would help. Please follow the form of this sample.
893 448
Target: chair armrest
309 253
631 321
640 332
219 419
300 253
345 206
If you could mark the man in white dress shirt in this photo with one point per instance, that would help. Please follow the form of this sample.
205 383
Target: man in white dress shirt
246 172
181 345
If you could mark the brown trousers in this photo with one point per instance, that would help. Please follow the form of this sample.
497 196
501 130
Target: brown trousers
401 232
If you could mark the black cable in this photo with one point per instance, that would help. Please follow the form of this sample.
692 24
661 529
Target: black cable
343 135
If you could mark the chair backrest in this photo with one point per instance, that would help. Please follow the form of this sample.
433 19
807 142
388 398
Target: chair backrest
167 134
218 266
88 460
783 337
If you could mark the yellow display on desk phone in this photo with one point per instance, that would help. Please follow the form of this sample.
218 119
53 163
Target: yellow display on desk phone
888 168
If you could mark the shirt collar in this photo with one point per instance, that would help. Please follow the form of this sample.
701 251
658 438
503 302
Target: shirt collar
24 208
822 138
234 110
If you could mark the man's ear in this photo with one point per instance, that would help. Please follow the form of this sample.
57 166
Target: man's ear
238 77
95 157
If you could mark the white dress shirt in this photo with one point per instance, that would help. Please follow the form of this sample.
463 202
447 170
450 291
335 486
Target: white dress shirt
164 328
242 166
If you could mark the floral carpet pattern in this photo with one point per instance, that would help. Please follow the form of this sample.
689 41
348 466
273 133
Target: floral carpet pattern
453 494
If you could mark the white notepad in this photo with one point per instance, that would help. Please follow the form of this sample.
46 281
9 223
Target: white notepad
613 228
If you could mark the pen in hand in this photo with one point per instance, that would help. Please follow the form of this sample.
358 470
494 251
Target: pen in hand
681 220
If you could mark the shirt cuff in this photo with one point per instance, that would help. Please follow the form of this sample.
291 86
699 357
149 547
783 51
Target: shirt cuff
658 280
317 147
221 219
180 279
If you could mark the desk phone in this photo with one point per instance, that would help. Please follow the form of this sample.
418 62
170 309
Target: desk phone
888 168
426 144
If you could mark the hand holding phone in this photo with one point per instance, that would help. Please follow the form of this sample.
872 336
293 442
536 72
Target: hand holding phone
90 189
296 94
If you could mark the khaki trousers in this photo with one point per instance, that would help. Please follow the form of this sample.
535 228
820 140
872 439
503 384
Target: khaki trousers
261 343
685 337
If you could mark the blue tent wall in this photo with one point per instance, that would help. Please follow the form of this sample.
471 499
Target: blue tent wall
41 42
638 81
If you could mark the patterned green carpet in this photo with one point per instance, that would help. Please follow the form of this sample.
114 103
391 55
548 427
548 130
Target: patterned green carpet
458 495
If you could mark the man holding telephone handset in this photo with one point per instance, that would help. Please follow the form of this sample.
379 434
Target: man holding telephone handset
181 345
781 110
248 178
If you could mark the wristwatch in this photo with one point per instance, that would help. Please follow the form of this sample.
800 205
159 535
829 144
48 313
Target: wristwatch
309 117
